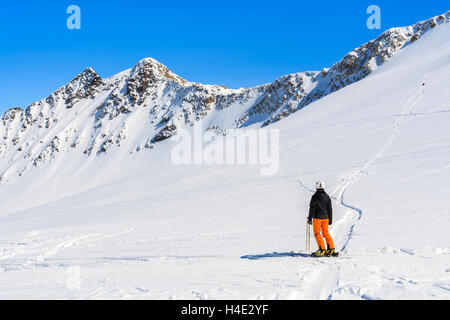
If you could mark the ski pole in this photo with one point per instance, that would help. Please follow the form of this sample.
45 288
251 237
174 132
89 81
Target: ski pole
309 238
308 232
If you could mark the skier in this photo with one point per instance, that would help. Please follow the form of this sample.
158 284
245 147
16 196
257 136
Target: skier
321 216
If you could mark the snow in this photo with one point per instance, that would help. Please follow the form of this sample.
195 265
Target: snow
135 226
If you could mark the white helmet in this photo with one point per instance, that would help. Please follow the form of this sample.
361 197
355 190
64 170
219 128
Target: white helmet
320 185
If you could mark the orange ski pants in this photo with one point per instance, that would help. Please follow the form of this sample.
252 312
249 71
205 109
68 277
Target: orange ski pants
321 226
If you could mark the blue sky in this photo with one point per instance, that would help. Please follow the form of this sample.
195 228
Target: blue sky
236 43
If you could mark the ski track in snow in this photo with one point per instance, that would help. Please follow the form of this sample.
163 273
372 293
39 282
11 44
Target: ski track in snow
325 282
354 176
44 247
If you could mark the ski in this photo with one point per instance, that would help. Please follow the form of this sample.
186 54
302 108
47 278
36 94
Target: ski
334 255
309 255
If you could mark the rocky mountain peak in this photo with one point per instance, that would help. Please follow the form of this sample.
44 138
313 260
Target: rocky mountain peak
151 71
85 85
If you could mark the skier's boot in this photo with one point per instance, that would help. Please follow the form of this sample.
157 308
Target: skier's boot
330 253
318 253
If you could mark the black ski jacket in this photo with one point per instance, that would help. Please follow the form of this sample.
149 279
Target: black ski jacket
320 207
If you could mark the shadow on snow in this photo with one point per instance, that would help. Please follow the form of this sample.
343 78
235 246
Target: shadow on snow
275 255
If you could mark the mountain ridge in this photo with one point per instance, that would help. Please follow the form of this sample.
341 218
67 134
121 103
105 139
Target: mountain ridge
148 103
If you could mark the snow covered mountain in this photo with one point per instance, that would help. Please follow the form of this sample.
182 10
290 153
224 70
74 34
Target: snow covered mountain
93 207
147 104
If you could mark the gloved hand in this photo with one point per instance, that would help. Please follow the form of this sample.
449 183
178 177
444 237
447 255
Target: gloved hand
330 222
310 221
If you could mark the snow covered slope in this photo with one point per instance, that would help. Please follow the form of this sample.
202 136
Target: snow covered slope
92 217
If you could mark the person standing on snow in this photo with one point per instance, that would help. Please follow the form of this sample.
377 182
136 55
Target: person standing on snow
321 216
